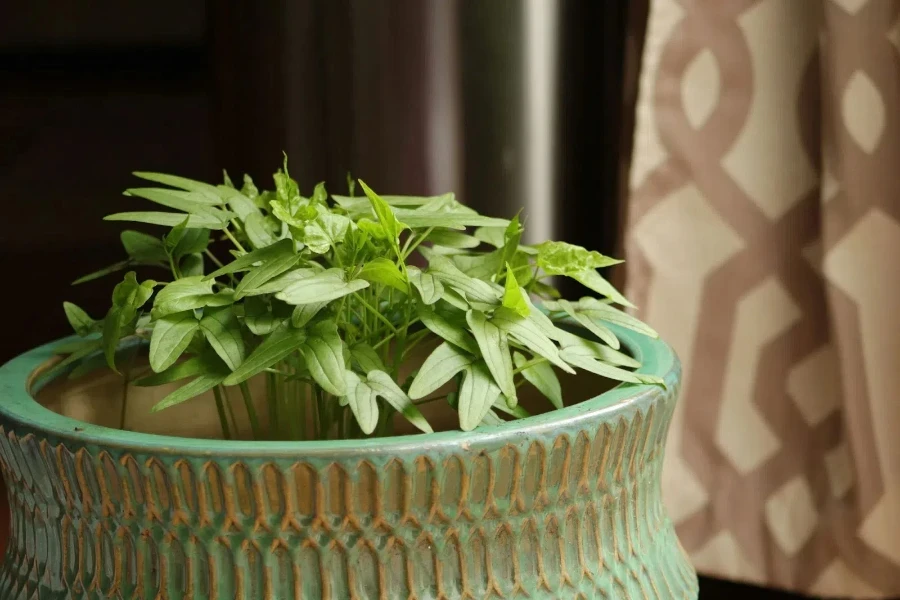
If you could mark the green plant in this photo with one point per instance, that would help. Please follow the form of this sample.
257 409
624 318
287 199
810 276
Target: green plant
322 298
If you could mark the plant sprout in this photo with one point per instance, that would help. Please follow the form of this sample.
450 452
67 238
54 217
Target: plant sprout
327 297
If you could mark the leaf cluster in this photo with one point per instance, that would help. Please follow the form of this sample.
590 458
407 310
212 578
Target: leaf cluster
328 296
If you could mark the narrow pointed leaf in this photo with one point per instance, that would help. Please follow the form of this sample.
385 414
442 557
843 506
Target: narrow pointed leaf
178 182
477 394
366 357
192 389
602 332
175 200
80 321
170 219
584 359
222 330
598 350
275 285
442 327
384 271
543 377
528 332
387 388
323 287
180 370
591 279
262 274
303 313
245 262
362 401
171 336
475 289
258 232
495 350
439 368
513 295
279 344
429 287
324 355
141 247
102 272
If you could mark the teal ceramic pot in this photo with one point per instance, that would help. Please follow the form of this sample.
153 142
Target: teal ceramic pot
561 505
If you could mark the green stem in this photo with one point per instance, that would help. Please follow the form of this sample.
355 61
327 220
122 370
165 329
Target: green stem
220 408
274 421
229 406
375 312
408 251
234 241
213 258
529 363
251 410
126 382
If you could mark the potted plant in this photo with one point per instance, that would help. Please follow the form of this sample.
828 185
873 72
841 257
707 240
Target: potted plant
340 397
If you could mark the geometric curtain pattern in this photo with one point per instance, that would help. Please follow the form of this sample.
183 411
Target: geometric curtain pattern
763 242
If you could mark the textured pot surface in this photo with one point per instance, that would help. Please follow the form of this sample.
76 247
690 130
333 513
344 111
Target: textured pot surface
556 506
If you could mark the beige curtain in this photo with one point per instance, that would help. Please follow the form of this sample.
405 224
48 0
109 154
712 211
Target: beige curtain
763 241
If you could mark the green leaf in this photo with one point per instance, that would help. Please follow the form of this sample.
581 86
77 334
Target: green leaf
169 219
303 313
543 377
171 336
595 309
259 276
560 258
258 316
599 351
128 296
439 368
511 238
455 334
192 265
429 287
203 383
178 182
513 295
222 330
452 239
277 284
495 349
240 204
494 236
102 272
179 201
527 331
389 223
324 355
475 289
187 293
584 359
383 385
191 367
245 262
141 247
419 218
593 280
455 299
186 241
604 333
362 401
517 411
80 321
323 287
477 394
383 271
366 357
259 231
84 349
278 345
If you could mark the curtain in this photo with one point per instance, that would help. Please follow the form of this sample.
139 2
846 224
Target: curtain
762 238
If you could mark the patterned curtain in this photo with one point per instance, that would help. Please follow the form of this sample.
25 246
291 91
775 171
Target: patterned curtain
763 241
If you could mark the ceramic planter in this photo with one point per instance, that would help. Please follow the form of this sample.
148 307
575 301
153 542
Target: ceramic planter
561 505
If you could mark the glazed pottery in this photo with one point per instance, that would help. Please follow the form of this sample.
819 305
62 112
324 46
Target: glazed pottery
560 505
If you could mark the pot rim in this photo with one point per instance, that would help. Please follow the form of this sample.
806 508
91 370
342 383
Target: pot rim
17 405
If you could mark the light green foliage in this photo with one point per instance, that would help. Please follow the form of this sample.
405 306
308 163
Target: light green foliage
320 294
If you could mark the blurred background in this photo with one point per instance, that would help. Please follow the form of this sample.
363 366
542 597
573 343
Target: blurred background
754 214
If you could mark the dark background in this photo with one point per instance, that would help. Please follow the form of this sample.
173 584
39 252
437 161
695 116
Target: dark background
92 91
